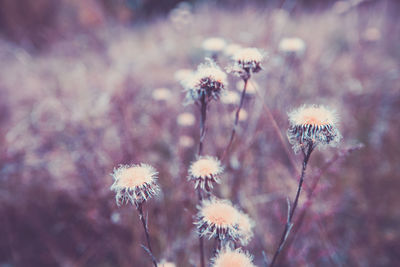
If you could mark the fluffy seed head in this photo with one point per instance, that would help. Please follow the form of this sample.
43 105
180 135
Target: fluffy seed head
134 183
217 218
205 171
313 125
208 81
232 258
245 228
247 60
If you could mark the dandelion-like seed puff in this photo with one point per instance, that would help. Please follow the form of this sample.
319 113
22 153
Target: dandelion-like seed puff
217 218
313 126
208 81
232 258
134 183
246 62
205 171
245 228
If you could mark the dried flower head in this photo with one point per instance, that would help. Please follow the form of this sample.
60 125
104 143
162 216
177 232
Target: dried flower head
292 46
313 125
232 258
205 171
247 61
217 218
208 82
214 44
134 183
245 228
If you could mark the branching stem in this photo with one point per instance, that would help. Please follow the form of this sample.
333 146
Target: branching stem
146 231
291 211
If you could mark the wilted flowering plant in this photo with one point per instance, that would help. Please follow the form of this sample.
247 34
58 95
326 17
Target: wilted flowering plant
232 258
246 62
205 171
206 83
217 218
134 183
313 126
310 127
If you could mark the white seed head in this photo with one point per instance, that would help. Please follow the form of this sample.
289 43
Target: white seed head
292 45
214 44
217 218
246 61
205 171
208 81
134 183
313 125
245 228
232 258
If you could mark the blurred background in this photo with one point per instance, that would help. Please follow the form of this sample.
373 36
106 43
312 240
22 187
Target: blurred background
87 85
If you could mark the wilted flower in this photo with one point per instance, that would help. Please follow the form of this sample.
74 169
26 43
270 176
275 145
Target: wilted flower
217 218
247 61
292 46
232 258
205 171
208 82
134 183
214 44
186 119
245 228
313 125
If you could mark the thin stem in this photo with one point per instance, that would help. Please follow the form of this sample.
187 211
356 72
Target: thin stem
236 119
291 211
203 117
146 231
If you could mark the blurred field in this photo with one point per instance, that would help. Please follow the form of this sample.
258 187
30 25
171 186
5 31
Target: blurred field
80 105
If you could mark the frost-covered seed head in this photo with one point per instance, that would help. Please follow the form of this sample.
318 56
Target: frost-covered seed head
205 171
217 218
247 61
232 258
208 81
214 44
313 125
292 45
134 183
245 228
